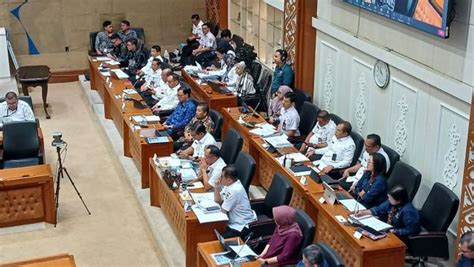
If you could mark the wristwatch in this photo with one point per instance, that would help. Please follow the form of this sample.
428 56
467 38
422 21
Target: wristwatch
265 262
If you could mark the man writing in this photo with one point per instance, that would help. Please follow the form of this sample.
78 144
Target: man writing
13 109
120 51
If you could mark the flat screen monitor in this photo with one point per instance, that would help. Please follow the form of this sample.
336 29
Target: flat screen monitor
431 16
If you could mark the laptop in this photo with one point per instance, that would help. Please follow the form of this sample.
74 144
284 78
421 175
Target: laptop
218 88
226 244
331 196
138 104
325 178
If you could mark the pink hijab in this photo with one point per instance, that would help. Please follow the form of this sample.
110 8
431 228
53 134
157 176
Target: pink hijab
276 104
285 218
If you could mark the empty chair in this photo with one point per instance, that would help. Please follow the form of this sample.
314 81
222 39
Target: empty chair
436 215
245 165
301 97
392 156
308 118
217 118
231 145
279 193
405 176
21 144
359 143
336 119
308 228
330 255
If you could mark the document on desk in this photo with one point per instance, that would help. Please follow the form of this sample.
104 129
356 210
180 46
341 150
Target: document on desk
243 250
198 197
102 58
375 224
208 217
297 157
352 205
263 130
130 91
113 62
120 74
189 175
105 73
278 141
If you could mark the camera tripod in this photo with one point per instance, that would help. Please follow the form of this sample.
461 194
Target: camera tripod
59 176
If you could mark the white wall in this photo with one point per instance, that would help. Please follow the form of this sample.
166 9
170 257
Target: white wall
424 111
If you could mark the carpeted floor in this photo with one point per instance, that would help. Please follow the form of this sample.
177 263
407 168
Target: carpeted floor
116 234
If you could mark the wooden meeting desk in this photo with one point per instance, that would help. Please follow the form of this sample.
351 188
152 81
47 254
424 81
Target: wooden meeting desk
97 80
185 225
386 252
27 195
231 116
62 260
203 92
135 146
206 249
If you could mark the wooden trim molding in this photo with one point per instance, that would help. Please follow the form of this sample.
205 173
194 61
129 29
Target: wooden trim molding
66 76
466 213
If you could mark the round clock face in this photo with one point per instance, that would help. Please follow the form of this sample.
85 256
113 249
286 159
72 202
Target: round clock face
381 74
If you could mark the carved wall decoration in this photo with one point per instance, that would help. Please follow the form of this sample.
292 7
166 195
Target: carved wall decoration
361 108
212 10
451 163
401 134
328 83
289 34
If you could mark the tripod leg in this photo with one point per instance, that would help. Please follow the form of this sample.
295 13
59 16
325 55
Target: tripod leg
77 191
58 185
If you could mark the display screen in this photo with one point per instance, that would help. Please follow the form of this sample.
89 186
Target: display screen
431 16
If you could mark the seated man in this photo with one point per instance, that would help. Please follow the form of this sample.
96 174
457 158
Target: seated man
340 150
170 100
467 250
230 194
192 41
317 140
210 166
224 41
13 109
103 44
312 257
182 115
134 61
283 74
151 83
289 120
155 53
373 144
207 44
120 51
201 138
202 116
125 32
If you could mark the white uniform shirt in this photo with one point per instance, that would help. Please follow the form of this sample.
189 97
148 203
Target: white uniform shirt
339 154
23 112
147 67
199 145
321 135
153 76
162 89
197 29
290 120
208 40
237 205
215 171
364 159
170 99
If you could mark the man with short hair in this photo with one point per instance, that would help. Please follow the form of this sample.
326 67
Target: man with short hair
207 45
103 44
201 140
210 167
151 83
317 140
182 115
192 41
312 257
224 41
373 144
231 195
13 109
289 119
202 116
125 32
340 151
283 74
170 100
155 53
120 51
134 61
467 250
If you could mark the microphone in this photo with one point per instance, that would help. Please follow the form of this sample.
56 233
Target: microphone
234 262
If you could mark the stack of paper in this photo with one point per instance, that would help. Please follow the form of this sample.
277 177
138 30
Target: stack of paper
375 223
263 129
208 217
130 91
147 118
243 250
297 157
188 175
352 205
169 162
120 74
113 62
102 58
278 141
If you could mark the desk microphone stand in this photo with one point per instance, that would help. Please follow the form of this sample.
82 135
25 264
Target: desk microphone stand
59 176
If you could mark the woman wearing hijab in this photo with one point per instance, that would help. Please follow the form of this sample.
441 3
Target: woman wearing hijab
284 245
398 212
277 102
371 190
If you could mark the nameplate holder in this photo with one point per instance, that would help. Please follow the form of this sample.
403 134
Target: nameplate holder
303 180
322 200
357 235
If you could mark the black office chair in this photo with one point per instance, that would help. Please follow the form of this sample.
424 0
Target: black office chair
239 41
217 118
301 97
392 156
308 118
436 215
279 193
336 119
231 145
330 255
21 144
256 70
245 165
405 176
308 229
92 37
359 143
140 33
262 87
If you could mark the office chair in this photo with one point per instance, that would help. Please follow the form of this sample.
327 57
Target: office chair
330 255
308 229
21 144
245 165
405 176
301 97
217 118
231 145
308 118
336 119
392 156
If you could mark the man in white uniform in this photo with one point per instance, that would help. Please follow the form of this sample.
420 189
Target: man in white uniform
13 109
202 139
231 195
289 120
211 166
317 140
169 100
373 144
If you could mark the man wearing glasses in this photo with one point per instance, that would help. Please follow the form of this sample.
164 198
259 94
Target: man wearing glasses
13 109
